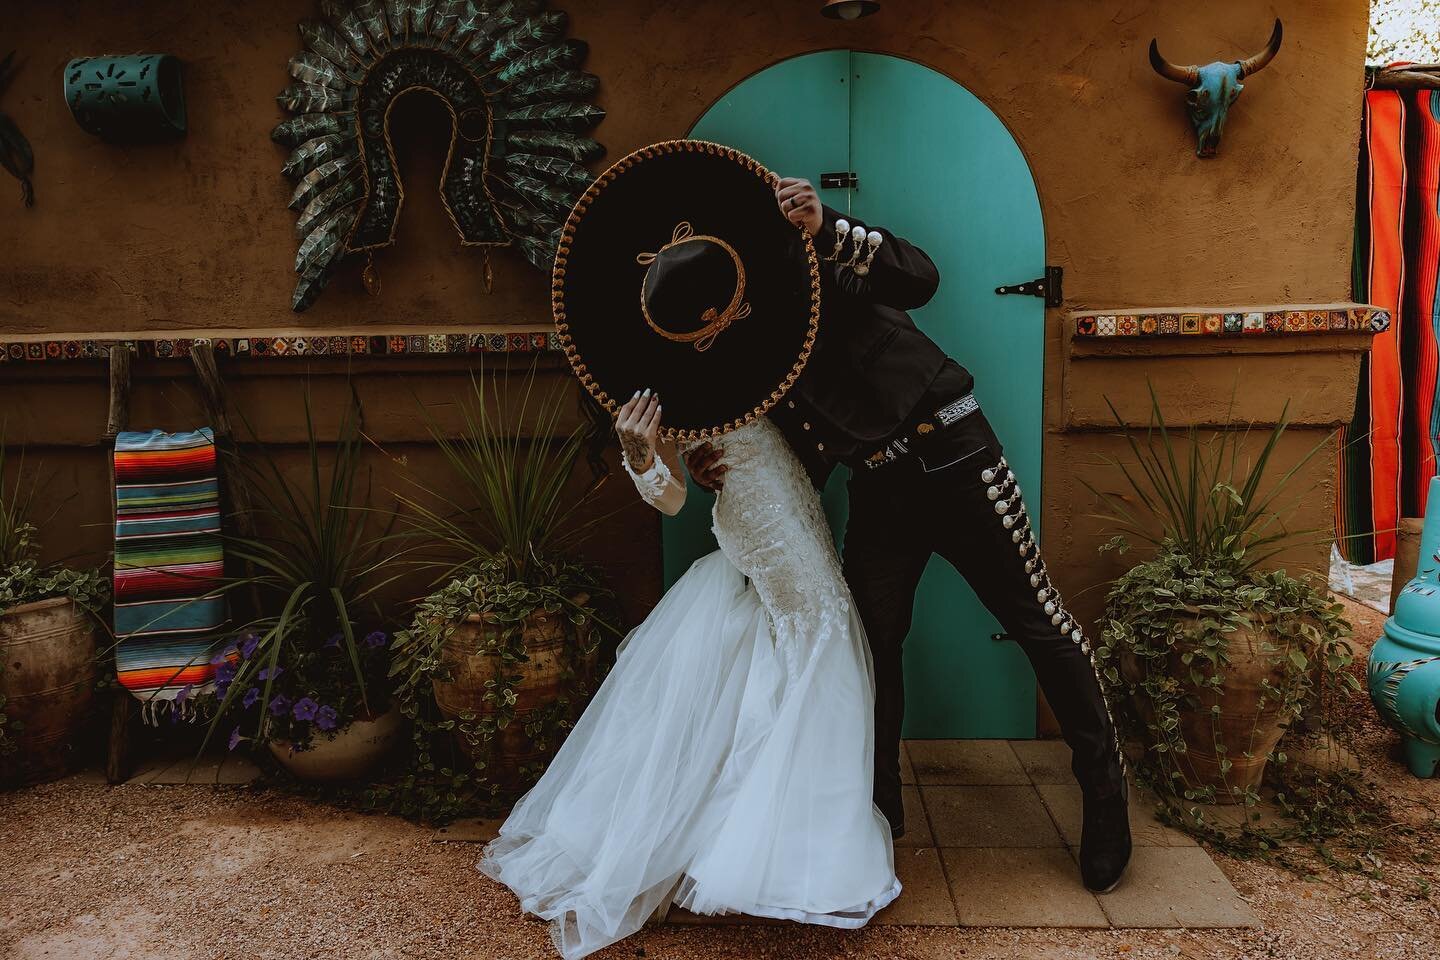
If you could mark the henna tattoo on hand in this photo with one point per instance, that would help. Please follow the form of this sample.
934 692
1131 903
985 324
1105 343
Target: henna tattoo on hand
637 451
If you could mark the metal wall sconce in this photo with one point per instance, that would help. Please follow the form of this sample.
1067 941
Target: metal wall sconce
132 98
849 9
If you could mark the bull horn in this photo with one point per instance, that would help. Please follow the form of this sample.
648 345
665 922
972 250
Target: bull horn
1257 63
1170 71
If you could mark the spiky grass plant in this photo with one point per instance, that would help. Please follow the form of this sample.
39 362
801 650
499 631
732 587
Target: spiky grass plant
1202 496
512 466
312 573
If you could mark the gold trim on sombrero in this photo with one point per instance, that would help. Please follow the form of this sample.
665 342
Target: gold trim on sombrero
562 253
716 322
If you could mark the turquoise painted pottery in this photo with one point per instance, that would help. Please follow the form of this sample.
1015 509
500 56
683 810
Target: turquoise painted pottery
1405 662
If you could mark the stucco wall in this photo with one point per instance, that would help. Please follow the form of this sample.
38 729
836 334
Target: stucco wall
195 235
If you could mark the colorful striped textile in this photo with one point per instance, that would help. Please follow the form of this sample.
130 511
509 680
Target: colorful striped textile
168 564
1388 452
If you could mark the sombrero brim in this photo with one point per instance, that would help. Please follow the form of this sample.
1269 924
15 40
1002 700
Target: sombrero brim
596 289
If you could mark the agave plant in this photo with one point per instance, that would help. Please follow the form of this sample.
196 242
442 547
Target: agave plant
1201 496
15 153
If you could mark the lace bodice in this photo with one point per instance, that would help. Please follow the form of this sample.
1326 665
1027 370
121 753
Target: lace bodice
769 523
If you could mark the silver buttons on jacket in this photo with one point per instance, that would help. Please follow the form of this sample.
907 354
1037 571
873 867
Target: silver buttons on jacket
873 240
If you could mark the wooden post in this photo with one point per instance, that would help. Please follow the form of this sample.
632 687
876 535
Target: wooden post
119 758
236 515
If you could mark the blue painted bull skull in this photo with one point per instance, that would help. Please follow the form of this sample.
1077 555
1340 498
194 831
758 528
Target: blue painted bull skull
1213 88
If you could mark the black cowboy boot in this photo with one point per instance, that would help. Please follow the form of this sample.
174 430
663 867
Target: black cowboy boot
1105 840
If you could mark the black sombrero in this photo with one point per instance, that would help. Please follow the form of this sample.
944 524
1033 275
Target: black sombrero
676 271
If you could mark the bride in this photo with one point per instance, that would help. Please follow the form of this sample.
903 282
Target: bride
725 765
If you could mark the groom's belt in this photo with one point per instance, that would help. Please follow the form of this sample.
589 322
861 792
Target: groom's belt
915 431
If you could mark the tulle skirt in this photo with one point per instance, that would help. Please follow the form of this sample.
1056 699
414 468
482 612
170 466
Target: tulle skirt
705 775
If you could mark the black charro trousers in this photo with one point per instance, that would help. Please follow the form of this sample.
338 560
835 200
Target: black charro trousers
954 495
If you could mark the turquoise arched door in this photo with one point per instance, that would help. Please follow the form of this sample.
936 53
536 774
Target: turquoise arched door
937 167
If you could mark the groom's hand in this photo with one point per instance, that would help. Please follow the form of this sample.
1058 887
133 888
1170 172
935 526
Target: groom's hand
800 204
705 466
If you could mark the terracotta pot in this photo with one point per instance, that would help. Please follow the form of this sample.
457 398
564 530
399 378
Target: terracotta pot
1242 726
353 754
48 681
511 757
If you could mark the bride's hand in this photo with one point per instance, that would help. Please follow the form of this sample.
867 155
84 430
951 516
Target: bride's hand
638 424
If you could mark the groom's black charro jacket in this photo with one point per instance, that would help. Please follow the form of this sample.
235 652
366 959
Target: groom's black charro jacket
871 366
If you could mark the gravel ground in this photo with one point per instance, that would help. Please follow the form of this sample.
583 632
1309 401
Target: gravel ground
89 871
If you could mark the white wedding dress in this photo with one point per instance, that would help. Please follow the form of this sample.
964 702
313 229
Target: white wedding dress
725 764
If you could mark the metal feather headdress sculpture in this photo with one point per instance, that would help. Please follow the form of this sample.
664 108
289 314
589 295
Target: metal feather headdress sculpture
518 104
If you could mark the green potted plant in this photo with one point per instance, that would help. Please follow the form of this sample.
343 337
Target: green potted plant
1215 656
48 644
502 653
306 674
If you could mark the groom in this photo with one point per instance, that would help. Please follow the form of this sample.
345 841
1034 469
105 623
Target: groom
929 476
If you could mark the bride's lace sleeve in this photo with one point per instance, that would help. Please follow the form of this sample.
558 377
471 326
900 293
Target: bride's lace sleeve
663 485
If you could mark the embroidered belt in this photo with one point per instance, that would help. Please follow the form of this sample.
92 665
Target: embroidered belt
952 412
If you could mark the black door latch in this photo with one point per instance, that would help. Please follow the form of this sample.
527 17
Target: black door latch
840 181
1047 287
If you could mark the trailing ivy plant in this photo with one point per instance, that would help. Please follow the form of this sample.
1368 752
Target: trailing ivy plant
445 781
1211 517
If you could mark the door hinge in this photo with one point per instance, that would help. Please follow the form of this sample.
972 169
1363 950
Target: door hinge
845 180
1048 287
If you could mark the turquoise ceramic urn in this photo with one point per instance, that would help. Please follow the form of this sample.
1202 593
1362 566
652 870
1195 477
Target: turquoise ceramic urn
1405 662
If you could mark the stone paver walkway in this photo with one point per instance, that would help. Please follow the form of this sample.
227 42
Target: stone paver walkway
992 833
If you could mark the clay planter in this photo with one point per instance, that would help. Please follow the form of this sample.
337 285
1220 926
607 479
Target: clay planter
353 754
1242 726
508 755
48 681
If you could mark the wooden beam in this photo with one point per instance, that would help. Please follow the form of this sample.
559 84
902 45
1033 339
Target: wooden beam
1417 77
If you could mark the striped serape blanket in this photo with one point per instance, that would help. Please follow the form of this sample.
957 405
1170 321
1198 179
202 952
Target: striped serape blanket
169 611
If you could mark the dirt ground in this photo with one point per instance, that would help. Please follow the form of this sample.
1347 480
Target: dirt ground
176 872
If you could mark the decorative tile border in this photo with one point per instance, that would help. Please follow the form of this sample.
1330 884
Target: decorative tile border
297 346
1231 321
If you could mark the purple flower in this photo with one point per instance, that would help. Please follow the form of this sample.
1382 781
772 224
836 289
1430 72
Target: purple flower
269 673
224 676
184 692
235 738
279 704
334 642
325 717
248 645
375 639
251 696
305 709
